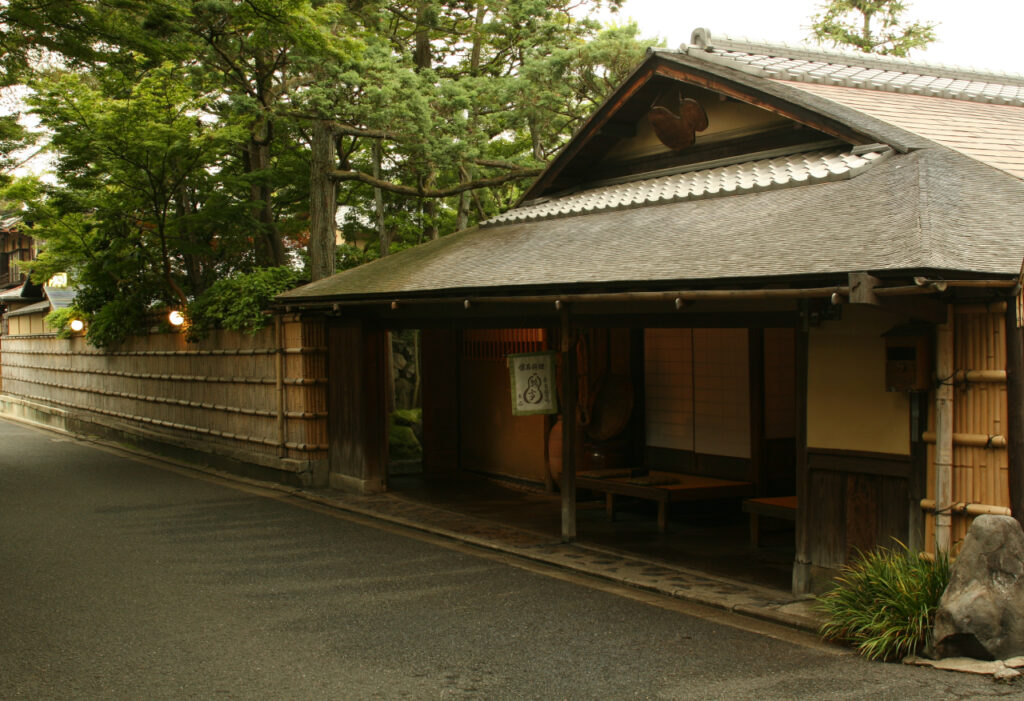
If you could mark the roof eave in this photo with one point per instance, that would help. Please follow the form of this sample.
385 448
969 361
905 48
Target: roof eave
791 102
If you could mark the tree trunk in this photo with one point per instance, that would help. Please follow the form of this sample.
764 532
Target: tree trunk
323 203
258 151
378 198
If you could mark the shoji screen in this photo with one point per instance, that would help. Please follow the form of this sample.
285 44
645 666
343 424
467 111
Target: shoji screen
697 390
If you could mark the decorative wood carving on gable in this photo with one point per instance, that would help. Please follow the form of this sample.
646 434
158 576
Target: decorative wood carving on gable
677 119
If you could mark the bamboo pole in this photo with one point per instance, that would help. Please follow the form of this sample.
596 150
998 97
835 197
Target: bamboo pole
967 508
943 430
282 451
972 440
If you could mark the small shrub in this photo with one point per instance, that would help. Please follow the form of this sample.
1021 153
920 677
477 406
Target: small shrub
59 320
237 302
884 603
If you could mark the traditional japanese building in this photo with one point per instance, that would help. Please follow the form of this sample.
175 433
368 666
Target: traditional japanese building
783 276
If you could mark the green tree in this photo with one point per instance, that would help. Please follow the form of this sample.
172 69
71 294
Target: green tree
203 138
871 26
141 212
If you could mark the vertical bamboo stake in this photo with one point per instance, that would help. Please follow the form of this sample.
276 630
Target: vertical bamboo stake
282 450
943 430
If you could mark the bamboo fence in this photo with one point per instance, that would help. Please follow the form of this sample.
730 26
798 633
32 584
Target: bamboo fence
980 480
263 395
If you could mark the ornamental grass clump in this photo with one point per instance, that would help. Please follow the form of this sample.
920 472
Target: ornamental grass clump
884 603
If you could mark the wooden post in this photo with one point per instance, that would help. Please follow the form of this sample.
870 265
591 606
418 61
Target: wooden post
357 407
802 556
944 431
1015 408
638 422
569 395
755 381
917 484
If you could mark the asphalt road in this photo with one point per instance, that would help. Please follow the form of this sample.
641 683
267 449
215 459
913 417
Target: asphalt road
124 579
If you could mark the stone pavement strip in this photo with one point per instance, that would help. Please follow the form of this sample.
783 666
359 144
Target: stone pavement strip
682 583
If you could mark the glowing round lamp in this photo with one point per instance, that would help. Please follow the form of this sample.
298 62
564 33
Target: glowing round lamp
176 318
77 325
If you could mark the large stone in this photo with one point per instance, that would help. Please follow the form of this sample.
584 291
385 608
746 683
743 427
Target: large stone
981 613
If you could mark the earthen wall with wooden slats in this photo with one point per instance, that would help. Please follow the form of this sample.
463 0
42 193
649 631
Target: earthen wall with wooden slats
980 474
261 395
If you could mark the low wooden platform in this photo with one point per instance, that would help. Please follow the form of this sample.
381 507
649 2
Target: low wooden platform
772 507
660 487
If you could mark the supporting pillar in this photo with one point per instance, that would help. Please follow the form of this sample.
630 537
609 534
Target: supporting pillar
1015 407
755 363
569 395
802 556
357 407
944 431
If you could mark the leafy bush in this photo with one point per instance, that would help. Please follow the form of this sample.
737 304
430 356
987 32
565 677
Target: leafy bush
112 323
238 302
884 603
59 320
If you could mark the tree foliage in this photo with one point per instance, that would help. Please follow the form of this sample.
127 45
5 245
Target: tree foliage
201 139
871 26
237 302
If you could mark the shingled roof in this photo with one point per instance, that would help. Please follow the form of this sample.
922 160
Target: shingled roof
927 181
976 113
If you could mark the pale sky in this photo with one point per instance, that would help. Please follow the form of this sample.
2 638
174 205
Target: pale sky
984 34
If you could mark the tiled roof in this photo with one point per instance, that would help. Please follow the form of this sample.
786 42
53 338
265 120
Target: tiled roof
931 210
9 222
880 73
975 113
36 308
60 297
992 134
737 178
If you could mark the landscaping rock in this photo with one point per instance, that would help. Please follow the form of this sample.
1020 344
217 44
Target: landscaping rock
981 614
402 444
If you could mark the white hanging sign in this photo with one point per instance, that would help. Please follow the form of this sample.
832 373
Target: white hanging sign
533 383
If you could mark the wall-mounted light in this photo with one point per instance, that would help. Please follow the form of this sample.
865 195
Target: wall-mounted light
77 325
176 318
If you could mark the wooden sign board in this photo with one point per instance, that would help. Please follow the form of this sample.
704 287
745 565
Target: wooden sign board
533 382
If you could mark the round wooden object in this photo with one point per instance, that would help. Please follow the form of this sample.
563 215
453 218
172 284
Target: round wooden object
612 408
555 452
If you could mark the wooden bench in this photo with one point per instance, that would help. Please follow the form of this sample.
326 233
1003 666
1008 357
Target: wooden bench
771 507
662 488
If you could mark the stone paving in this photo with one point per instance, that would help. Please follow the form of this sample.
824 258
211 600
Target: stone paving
680 582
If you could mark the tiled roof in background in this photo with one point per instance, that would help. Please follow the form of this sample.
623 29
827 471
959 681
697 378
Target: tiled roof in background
976 113
871 72
733 179
992 134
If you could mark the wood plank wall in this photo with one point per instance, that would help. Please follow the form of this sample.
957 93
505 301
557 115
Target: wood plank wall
230 389
979 409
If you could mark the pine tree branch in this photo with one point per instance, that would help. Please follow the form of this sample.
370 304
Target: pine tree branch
350 175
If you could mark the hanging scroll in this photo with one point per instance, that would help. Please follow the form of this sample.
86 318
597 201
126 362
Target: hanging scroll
533 383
